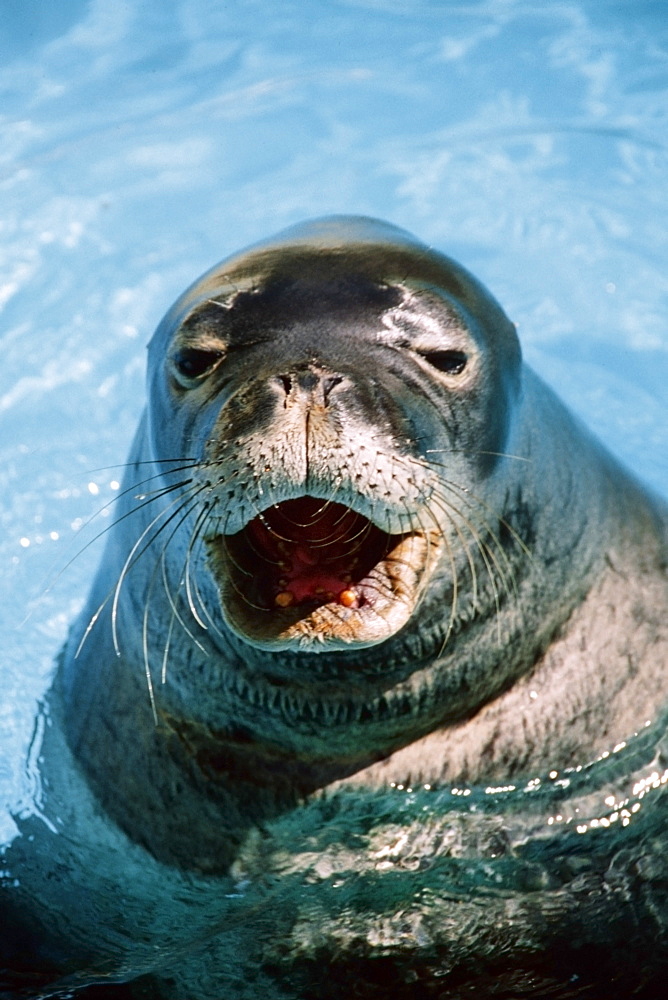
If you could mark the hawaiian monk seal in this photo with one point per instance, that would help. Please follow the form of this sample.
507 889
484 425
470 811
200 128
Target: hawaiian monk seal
360 544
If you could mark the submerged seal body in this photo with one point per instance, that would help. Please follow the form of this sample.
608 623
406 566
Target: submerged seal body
360 546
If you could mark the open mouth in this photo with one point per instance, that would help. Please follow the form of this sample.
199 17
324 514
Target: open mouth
312 569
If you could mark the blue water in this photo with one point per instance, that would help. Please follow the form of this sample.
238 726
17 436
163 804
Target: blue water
143 141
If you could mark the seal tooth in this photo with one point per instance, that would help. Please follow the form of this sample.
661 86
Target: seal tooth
284 599
349 598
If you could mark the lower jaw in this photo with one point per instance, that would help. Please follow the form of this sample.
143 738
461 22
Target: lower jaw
325 629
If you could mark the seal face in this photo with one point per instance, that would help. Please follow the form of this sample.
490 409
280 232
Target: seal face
325 523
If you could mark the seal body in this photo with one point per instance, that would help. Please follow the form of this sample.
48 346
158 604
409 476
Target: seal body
360 546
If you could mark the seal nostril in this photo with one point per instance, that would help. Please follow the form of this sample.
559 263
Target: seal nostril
286 382
330 382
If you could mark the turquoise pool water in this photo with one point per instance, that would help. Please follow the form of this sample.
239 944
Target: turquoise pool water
143 141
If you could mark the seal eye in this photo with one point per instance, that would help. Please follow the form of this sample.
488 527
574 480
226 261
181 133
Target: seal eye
191 364
448 362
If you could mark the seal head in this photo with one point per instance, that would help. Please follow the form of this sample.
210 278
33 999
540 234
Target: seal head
315 375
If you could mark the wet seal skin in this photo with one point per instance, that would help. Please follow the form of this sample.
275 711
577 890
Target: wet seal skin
370 593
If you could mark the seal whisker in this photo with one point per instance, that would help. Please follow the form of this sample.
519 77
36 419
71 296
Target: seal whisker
264 556
147 667
507 575
174 608
191 504
199 523
485 552
325 542
168 642
471 452
506 572
114 591
455 594
189 463
453 571
332 500
501 519
484 548
110 503
136 552
468 498
94 617
471 499
197 538
430 535
160 562
234 562
465 546
316 517
163 491
354 542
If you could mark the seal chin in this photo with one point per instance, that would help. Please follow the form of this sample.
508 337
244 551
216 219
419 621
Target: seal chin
312 574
